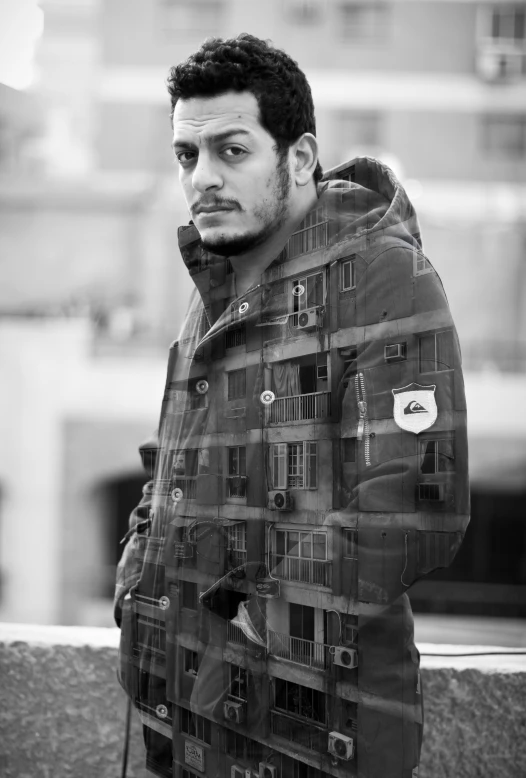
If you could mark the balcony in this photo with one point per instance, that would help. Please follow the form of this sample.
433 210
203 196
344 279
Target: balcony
235 635
308 239
304 652
237 486
300 407
300 731
312 571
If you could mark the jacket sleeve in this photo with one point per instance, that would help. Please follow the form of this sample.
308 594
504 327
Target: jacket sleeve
403 402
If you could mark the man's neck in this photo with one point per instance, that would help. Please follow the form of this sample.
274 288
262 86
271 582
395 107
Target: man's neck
249 267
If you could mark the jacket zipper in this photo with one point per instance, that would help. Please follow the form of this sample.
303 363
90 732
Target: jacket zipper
363 421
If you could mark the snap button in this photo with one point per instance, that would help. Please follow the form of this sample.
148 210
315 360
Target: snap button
267 397
162 711
202 387
164 602
177 494
298 290
243 308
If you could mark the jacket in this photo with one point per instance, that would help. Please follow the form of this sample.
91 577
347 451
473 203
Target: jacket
310 465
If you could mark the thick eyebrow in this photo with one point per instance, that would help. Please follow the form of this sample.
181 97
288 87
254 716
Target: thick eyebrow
211 139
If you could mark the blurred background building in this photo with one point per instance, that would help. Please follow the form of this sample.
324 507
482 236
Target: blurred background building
92 289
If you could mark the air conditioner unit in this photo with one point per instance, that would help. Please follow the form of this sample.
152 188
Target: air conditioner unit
345 657
496 65
341 746
308 319
395 351
280 500
234 711
267 770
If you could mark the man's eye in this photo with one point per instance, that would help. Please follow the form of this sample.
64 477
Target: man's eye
185 157
234 151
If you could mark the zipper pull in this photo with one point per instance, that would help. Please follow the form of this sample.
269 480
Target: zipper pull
362 407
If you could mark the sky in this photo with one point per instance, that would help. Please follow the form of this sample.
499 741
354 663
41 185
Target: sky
21 25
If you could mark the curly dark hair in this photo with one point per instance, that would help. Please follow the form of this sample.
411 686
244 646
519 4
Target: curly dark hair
247 63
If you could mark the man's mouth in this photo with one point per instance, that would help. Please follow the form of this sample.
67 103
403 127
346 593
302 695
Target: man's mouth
212 208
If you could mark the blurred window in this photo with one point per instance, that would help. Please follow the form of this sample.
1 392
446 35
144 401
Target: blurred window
238 682
189 595
505 136
350 543
366 22
191 661
348 275
191 18
304 11
358 131
437 456
508 23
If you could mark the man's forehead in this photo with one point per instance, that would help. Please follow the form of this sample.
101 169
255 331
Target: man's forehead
205 116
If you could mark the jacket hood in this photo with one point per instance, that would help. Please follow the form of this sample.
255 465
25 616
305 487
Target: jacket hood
361 198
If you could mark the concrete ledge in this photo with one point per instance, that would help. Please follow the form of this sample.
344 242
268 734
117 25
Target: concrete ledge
63 712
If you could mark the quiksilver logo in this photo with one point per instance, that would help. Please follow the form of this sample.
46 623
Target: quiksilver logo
414 407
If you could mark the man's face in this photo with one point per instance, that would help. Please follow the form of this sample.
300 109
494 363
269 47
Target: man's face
236 187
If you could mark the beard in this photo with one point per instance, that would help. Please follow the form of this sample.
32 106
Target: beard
271 217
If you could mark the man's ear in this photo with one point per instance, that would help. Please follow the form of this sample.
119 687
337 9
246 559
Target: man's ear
305 157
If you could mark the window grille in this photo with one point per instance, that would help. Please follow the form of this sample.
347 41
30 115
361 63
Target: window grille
196 726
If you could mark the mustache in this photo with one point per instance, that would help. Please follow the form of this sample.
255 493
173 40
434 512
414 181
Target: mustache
214 202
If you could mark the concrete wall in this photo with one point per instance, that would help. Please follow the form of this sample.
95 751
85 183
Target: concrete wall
63 711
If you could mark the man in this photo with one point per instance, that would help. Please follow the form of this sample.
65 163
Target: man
266 628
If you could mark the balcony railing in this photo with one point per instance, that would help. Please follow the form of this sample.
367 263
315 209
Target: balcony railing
235 634
302 732
313 571
300 407
187 486
237 486
308 239
304 652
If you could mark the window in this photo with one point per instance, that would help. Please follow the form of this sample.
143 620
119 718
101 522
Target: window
312 234
301 622
436 352
241 747
421 264
184 462
237 478
349 449
190 18
349 356
238 682
237 384
196 726
303 11
431 492
292 768
505 136
301 545
322 373
195 399
189 595
294 465
361 130
348 275
349 629
237 542
236 334
506 23
365 22
188 774
191 661
300 700
307 292
437 456
350 543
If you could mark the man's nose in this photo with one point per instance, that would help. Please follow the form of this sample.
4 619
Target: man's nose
206 175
